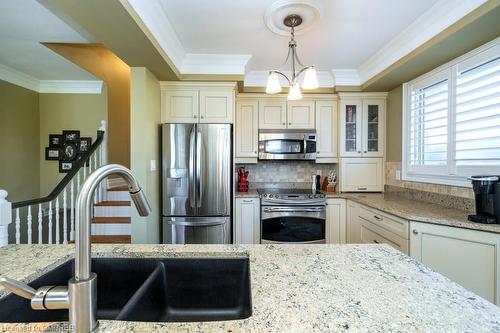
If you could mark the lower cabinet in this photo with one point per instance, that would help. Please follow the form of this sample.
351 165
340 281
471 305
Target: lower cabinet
361 174
247 221
353 224
468 257
336 221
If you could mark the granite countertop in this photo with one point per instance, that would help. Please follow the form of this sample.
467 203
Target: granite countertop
298 288
249 194
414 210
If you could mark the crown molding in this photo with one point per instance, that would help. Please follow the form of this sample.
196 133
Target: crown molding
21 79
18 78
433 21
259 79
227 64
70 87
346 77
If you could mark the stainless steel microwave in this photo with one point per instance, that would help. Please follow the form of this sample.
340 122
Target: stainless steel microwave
287 145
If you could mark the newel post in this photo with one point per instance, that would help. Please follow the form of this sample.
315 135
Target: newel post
5 218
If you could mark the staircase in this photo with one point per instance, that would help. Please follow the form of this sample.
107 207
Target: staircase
111 222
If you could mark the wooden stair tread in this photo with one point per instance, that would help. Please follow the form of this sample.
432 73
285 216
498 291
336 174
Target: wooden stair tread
104 220
121 239
118 188
112 203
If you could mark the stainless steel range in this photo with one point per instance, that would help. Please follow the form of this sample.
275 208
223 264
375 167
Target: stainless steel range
292 216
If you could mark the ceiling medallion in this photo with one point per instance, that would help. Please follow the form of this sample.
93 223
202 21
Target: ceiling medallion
310 76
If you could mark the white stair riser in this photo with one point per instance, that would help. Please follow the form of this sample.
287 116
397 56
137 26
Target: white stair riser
111 229
112 211
118 196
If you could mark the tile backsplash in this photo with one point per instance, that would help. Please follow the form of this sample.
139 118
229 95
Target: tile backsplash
284 172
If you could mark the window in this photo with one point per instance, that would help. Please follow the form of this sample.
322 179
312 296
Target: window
451 121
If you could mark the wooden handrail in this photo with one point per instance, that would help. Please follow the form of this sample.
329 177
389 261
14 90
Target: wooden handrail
65 181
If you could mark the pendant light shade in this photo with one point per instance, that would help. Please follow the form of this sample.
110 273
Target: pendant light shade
310 79
273 83
294 93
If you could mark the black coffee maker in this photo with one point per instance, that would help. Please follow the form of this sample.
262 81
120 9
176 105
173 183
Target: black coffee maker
487 195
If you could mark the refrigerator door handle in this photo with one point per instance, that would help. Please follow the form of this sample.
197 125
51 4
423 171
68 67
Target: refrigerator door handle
192 162
199 173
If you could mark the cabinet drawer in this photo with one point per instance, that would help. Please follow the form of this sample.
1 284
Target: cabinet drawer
371 233
390 223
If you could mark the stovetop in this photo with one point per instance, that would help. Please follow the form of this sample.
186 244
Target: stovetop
291 196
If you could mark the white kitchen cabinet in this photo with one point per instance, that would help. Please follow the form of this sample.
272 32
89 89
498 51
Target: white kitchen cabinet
216 106
353 224
468 257
326 130
193 102
246 131
247 221
361 174
301 114
336 232
272 113
374 234
362 124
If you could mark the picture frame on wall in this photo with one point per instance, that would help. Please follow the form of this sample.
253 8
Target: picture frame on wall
85 144
55 140
65 166
70 151
52 154
71 135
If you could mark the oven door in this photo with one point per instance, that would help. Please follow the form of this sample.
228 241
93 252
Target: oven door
291 224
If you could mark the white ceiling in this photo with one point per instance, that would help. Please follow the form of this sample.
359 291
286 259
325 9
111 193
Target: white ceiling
23 25
348 33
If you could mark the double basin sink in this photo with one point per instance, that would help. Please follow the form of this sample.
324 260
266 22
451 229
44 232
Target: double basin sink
152 290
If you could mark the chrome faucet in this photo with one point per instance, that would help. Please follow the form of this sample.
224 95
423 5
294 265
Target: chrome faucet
80 296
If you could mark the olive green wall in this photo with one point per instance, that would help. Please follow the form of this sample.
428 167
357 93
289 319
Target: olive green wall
19 142
144 147
394 117
59 112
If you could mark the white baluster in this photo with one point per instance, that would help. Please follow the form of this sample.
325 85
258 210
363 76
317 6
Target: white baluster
90 164
18 227
78 181
58 237
65 218
50 223
30 219
40 219
84 171
72 211
103 151
5 217
97 195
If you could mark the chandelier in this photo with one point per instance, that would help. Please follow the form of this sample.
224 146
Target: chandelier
310 78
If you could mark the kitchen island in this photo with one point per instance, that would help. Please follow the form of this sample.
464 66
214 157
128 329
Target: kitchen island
297 288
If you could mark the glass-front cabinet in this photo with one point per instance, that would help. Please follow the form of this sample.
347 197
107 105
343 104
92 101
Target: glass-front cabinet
362 126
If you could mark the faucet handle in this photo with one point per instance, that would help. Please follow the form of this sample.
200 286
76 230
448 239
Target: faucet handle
18 288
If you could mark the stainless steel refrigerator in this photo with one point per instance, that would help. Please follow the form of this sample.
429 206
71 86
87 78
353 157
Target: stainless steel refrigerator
197 183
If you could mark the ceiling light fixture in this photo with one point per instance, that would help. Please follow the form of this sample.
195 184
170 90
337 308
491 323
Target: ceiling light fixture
310 77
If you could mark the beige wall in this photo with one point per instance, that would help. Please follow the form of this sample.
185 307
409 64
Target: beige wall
145 146
59 112
19 142
394 124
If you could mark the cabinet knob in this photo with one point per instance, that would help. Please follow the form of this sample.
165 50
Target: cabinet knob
359 151
289 123
284 123
363 152
255 152
194 116
202 117
415 231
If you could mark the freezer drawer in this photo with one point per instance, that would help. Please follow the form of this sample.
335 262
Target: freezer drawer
202 230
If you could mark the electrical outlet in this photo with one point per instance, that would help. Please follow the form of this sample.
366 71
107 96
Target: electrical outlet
398 175
152 165
318 173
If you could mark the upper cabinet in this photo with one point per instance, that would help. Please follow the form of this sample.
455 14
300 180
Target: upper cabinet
362 119
188 102
277 113
300 114
246 130
326 130
272 113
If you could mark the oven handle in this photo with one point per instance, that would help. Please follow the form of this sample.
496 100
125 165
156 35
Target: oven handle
293 210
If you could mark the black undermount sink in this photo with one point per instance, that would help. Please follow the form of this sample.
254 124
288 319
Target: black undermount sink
153 290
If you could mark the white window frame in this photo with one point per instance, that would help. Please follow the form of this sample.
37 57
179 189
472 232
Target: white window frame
447 71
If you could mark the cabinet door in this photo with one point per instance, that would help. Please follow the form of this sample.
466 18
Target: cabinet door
216 106
336 221
247 223
179 106
353 223
373 128
468 257
326 130
301 114
350 128
272 114
246 128
361 175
